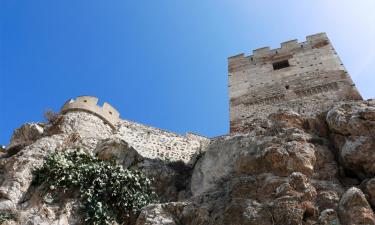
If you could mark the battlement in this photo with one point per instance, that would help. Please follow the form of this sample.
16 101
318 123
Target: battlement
89 104
286 48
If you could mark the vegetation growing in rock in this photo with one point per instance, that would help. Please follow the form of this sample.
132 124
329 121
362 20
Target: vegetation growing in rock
50 116
107 192
6 216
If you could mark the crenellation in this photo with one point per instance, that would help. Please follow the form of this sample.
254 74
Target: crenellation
317 38
288 45
286 50
110 111
89 104
261 52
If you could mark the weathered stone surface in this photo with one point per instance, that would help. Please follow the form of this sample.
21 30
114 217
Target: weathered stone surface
327 200
368 187
17 170
217 162
328 217
115 149
286 152
354 208
27 133
352 118
159 144
79 130
267 176
354 129
281 173
161 214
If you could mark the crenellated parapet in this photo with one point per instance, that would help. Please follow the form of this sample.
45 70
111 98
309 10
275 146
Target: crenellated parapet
286 49
89 104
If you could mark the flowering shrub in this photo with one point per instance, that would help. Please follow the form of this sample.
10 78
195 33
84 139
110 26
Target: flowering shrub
107 192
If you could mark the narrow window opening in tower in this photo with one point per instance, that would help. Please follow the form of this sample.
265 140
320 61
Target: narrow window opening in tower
280 64
287 87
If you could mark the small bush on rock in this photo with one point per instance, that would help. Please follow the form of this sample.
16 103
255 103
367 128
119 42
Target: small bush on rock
107 192
50 116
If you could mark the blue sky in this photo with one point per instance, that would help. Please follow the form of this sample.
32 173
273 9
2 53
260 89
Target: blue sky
161 63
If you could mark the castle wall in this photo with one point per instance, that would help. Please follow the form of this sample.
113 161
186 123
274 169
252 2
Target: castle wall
313 78
148 141
160 144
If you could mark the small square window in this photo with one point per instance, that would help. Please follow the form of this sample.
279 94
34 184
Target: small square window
280 64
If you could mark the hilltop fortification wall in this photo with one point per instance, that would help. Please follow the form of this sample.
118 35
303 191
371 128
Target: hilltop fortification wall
150 142
155 143
304 76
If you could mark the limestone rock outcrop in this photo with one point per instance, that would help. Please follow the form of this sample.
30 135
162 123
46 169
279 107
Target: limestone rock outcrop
119 151
353 128
285 171
354 208
288 169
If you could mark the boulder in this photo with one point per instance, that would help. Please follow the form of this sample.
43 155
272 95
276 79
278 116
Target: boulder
354 208
27 133
119 151
353 128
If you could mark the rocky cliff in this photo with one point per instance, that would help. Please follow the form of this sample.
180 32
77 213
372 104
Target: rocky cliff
289 169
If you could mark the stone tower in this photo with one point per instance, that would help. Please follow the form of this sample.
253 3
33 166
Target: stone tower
305 77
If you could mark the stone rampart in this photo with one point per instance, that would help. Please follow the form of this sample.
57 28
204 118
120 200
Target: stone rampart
150 142
89 104
156 143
